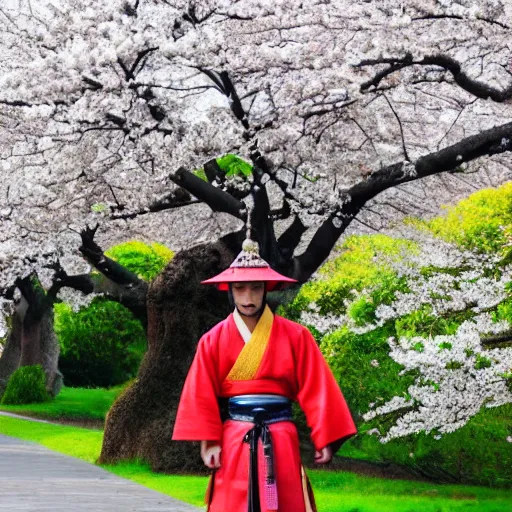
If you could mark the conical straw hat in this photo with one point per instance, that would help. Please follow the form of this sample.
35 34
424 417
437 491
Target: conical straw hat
249 266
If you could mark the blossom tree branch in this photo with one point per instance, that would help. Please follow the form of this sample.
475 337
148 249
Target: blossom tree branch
81 282
490 142
175 199
503 339
216 199
449 64
129 289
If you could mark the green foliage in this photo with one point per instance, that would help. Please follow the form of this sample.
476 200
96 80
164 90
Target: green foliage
482 362
26 385
508 379
88 405
231 165
362 264
99 207
423 323
503 312
415 323
145 260
362 311
477 453
101 345
478 222
350 357
418 346
200 174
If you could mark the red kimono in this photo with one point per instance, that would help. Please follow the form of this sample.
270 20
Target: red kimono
292 366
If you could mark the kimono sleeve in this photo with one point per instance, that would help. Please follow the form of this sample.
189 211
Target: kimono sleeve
320 397
198 416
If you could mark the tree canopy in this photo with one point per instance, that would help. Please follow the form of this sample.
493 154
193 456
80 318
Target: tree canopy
105 111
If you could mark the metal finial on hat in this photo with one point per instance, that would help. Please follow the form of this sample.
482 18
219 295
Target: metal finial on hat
250 255
249 245
248 225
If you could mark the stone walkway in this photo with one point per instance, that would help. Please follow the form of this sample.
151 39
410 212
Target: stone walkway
33 478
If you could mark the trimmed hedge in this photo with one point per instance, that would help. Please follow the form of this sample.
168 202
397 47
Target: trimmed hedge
27 385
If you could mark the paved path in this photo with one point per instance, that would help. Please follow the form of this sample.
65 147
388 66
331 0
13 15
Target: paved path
33 478
29 418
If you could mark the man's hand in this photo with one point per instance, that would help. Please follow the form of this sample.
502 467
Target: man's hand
210 453
324 456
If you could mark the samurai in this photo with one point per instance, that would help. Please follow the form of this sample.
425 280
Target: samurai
237 399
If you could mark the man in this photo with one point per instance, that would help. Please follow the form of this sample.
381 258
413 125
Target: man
238 394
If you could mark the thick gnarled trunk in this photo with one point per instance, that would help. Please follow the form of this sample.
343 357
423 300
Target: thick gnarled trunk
180 310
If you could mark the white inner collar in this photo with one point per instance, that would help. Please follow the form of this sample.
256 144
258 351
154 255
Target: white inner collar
242 328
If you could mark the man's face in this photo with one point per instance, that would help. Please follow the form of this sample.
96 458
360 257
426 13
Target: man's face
248 297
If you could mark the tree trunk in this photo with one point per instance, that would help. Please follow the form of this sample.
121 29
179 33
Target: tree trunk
32 340
180 311
11 355
50 350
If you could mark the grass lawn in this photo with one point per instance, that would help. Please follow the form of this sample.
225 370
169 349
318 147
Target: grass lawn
71 404
335 491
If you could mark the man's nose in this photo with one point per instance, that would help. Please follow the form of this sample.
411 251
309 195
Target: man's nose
248 297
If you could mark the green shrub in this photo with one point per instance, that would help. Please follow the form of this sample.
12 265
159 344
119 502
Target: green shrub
27 385
503 312
363 368
145 260
362 311
101 345
362 264
479 222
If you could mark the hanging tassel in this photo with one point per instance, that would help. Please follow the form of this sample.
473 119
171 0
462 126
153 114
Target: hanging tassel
270 479
271 495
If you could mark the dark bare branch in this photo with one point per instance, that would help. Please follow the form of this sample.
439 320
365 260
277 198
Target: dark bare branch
504 339
262 223
175 199
81 282
93 253
406 156
487 143
225 86
129 72
216 199
290 239
123 286
478 89
458 17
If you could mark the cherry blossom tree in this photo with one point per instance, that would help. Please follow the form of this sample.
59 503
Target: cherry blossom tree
343 108
457 374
